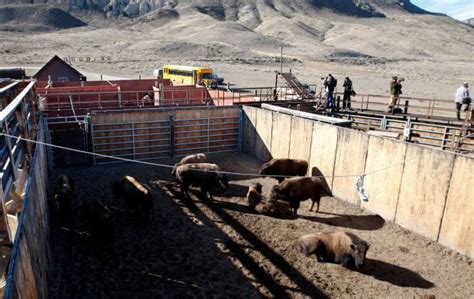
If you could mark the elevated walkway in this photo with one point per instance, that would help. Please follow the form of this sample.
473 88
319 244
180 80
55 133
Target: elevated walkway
299 88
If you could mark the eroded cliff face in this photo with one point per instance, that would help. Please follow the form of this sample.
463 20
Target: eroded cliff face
232 9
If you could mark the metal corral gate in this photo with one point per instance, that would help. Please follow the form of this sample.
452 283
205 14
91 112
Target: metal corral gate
166 138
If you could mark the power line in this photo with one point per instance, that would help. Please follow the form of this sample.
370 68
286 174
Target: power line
172 166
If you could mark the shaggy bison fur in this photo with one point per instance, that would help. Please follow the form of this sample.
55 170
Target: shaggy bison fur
338 247
136 195
295 190
196 158
203 175
284 167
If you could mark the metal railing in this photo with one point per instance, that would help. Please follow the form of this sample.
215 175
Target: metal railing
151 140
18 120
442 136
424 107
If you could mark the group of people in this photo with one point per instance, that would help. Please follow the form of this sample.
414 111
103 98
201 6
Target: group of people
330 84
462 96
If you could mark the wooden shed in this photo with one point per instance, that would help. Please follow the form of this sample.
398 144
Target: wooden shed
59 71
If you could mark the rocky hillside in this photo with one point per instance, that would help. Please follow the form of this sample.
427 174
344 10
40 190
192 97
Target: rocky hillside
36 17
233 9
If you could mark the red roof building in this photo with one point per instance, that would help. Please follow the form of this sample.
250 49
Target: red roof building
57 70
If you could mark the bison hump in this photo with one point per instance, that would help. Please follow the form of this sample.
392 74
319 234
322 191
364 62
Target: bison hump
135 184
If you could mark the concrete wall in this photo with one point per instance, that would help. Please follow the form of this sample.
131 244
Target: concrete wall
323 151
29 264
281 133
423 189
425 183
383 188
301 132
264 135
351 155
457 230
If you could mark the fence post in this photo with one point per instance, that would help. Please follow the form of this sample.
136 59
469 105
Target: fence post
9 148
172 131
445 136
407 130
47 137
383 123
208 133
86 139
241 128
407 102
133 140
119 96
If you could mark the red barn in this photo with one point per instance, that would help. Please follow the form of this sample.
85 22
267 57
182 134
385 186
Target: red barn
59 71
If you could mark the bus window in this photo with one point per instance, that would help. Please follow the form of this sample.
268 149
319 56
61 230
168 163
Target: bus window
206 76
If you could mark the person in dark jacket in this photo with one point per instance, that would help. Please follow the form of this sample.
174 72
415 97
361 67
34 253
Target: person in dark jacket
346 100
395 92
330 84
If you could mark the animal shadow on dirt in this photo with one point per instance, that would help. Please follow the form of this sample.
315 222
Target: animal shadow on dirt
238 251
395 275
235 191
359 222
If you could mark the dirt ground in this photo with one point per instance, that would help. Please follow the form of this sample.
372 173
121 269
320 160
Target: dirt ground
199 248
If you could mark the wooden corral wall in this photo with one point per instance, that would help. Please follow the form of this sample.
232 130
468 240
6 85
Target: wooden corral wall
157 133
424 189
72 98
29 265
182 95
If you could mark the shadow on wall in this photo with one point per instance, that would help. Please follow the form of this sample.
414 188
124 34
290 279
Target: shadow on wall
359 222
253 143
395 275
316 172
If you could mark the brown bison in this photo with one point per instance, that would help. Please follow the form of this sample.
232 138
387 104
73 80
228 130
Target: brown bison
295 190
257 202
62 195
203 175
136 195
339 247
254 195
196 158
284 167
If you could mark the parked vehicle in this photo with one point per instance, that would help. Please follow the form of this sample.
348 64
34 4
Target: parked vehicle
190 74
218 79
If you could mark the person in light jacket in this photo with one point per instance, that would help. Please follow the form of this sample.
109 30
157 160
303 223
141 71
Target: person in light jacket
462 97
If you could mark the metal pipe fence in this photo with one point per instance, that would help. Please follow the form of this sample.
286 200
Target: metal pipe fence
442 136
151 140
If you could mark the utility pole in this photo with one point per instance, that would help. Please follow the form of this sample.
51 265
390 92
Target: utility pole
281 59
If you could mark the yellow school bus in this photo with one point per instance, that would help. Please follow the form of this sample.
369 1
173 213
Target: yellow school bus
190 75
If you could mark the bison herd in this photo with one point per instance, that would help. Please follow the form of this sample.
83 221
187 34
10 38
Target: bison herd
195 171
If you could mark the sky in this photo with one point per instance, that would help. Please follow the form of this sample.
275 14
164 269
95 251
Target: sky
458 9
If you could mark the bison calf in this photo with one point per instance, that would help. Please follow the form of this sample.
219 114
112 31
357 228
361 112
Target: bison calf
203 175
136 195
339 247
284 167
254 195
295 190
196 158
62 195
257 202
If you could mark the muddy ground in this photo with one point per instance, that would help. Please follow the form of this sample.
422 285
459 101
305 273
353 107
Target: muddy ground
199 248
